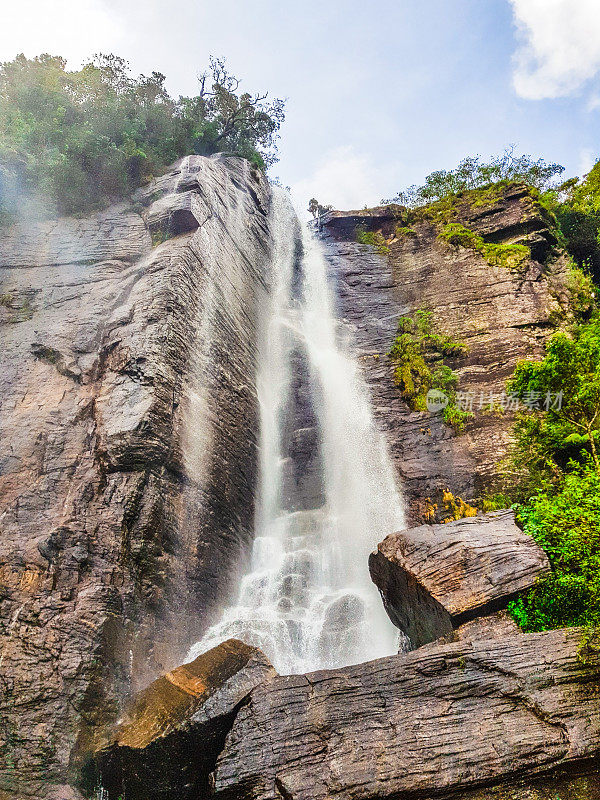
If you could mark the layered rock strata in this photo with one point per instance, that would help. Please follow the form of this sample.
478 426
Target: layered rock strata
455 720
128 428
502 315
434 578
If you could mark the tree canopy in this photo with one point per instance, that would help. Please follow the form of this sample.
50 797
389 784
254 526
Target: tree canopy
81 138
557 474
473 173
576 204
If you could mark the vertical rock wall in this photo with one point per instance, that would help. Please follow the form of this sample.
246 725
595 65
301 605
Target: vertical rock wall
128 420
501 314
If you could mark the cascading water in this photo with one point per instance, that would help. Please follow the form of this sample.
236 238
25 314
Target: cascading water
327 492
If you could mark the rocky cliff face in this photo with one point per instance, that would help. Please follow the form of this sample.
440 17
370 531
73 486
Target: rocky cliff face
127 448
501 314
128 467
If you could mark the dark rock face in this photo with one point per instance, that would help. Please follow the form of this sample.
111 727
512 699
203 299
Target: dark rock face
342 224
439 722
172 734
127 451
502 316
436 577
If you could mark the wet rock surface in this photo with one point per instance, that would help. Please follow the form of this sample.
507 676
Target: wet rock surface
500 314
436 577
171 736
445 721
128 426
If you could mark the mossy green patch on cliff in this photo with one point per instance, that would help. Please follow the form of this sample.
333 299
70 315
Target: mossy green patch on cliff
373 238
160 235
20 310
510 256
402 231
417 355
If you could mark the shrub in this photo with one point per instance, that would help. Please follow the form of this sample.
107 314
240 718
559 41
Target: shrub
566 523
79 139
417 359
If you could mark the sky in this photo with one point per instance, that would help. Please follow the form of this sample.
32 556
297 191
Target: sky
378 94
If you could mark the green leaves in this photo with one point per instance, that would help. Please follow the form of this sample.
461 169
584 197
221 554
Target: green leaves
417 358
556 454
566 523
512 256
472 173
80 139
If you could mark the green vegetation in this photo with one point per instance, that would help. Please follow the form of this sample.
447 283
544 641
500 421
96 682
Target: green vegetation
472 173
556 477
374 238
417 355
402 230
512 256
576 204
316 209
552 477
79 139
159 235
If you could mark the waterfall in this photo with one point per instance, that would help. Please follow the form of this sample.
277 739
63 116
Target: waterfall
327 491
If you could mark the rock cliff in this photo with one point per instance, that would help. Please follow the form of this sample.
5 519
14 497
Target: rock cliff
501 314
129 424
127 448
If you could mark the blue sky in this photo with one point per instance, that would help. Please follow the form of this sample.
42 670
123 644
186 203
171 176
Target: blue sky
378 94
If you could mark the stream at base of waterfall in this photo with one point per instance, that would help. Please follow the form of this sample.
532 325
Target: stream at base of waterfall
327 492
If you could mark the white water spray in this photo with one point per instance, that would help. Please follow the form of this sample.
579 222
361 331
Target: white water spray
307 600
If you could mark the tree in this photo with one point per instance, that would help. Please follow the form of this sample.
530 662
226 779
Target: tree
569 377
316 209
79 139
576 204
245 124
472 173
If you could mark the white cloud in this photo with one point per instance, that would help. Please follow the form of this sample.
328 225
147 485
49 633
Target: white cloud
587 159
559 46
74 29
343 178
593 103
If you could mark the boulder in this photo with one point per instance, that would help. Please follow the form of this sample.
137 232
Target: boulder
436 577
439 722
169 741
